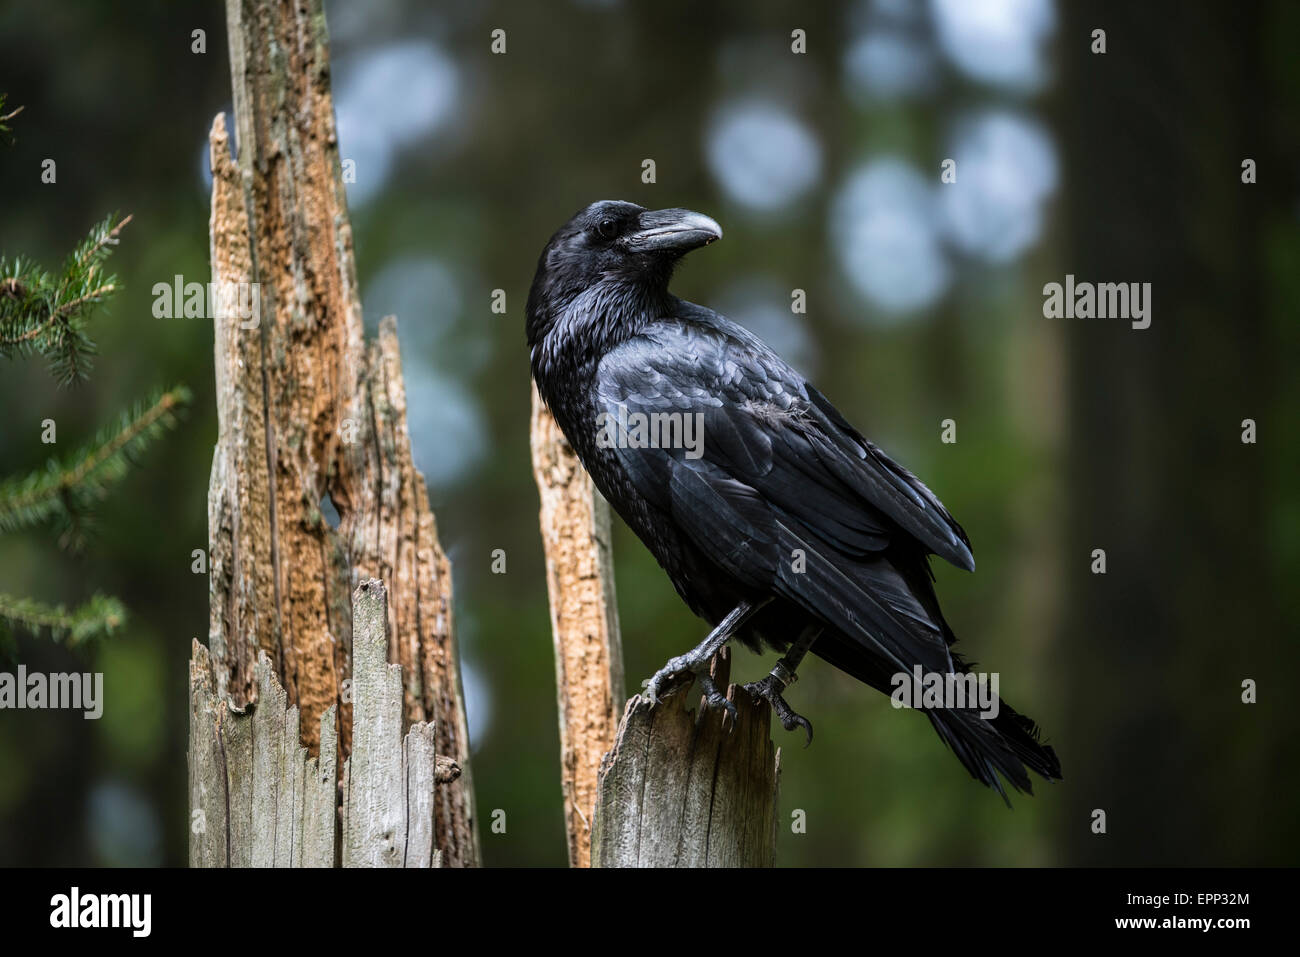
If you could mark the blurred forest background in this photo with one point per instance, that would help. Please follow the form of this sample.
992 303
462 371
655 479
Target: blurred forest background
924 303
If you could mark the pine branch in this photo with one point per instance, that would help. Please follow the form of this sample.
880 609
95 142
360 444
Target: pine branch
45 314
97 618
65 491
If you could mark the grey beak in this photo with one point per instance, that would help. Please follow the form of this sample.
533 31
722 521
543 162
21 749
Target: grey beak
678 230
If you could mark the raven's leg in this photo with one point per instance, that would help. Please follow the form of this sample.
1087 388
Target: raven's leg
781 677
696 661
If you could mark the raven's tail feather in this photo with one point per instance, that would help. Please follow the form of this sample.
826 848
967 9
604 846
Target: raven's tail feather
1007 744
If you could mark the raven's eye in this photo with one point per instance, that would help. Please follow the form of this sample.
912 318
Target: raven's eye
607 229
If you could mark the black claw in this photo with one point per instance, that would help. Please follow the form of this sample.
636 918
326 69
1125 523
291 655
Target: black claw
770 691
798 721
729 711
715 699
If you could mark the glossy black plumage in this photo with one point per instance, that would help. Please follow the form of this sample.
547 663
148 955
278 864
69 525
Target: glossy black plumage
786 501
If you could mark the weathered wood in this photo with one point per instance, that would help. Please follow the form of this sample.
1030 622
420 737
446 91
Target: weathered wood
584 621
420 784
306 410
375 834
320 811
257 799
680 789
207 768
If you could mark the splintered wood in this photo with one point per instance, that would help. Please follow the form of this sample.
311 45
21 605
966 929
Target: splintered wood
257 799
683 789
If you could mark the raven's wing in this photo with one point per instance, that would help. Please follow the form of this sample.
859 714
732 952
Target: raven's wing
767 426
781 492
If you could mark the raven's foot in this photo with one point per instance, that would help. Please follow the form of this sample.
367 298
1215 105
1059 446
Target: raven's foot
769 689
696 661
695 664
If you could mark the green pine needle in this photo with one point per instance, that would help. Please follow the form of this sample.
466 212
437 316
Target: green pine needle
64 492
47 314
97 618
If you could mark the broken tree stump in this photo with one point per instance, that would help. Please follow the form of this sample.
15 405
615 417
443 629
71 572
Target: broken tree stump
311 415
681 790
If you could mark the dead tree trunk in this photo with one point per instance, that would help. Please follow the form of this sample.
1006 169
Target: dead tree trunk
309 413
584 622
661 788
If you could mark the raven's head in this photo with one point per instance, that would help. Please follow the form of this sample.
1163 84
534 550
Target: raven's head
626 250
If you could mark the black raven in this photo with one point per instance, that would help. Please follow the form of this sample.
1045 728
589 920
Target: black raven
776 521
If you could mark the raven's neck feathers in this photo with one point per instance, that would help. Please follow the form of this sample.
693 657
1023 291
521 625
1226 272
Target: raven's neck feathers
569 331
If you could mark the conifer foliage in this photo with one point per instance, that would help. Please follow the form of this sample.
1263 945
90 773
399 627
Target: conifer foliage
46 313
